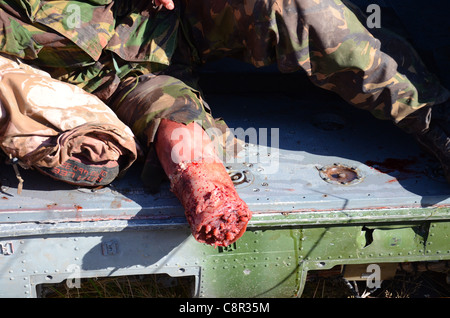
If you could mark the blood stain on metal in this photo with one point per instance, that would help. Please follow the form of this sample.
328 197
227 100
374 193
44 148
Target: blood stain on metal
79 209
392 164
392 180
116 204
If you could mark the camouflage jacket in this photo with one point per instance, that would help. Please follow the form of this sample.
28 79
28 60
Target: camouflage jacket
88 42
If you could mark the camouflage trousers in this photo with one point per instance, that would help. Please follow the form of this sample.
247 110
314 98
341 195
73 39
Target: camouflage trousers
327 39
141 102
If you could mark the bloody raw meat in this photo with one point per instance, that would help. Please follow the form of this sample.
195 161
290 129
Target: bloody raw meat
216 214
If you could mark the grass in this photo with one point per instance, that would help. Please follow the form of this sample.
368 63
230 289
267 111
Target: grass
419 285
139 286
403 285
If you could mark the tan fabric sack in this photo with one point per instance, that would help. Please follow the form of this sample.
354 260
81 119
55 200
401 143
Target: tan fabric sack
59 129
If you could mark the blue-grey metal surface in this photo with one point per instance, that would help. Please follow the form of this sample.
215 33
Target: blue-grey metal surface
53 231
394 173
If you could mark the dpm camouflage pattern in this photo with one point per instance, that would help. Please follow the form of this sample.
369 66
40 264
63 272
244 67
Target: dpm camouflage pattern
111 49
326 39
141 103
88 43
119 41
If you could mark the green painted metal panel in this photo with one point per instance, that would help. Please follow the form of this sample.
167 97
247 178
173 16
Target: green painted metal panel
273 262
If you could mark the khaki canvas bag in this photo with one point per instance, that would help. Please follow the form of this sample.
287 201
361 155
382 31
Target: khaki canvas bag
59 129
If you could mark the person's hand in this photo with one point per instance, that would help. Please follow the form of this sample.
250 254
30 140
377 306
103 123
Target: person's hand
168 4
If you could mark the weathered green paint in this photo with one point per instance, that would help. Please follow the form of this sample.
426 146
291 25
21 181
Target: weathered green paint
273 262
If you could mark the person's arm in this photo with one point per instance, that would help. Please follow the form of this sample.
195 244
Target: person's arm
168 4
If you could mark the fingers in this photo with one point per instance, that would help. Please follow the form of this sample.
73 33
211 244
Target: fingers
168 4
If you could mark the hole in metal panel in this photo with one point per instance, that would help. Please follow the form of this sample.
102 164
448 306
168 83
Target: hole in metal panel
340 174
